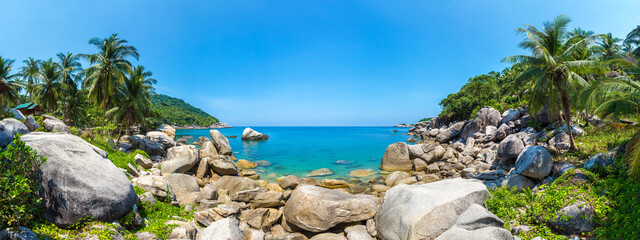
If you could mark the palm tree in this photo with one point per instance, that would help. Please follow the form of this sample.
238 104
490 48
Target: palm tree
607 48
553 67
633 39
30 75
48 90
108 69
70 68
9 80
134 98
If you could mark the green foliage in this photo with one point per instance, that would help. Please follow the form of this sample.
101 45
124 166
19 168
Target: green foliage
19 185
497 90
623 192
175 111
425 119
540 207
138 151
118 158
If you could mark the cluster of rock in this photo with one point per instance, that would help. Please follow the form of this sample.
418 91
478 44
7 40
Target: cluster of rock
499 149
402 125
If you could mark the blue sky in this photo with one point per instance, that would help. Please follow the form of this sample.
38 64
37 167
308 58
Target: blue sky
314 63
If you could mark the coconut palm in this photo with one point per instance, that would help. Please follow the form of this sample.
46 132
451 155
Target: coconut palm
633 39
48 91
607 48
553 67
134 98
9 80
69 67
108 69
30 75
70 72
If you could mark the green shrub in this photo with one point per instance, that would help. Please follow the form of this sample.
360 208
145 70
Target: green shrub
19 185
138 151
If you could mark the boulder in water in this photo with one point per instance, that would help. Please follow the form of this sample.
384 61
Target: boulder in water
250 134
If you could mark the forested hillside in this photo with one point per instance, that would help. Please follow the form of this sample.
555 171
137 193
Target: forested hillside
177 112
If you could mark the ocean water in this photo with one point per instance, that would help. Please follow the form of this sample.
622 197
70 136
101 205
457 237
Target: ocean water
297 150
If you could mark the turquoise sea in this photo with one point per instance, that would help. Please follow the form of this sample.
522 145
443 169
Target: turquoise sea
297 150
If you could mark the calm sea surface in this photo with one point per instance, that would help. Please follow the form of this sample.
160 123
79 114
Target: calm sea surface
297 150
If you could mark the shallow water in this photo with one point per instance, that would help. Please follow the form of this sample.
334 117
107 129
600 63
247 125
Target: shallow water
297 150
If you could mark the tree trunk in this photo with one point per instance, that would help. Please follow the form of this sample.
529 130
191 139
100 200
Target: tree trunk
566 108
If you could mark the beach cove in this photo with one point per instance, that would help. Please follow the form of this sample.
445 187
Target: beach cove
298 150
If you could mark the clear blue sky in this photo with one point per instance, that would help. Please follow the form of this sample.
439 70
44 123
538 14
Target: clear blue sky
320 62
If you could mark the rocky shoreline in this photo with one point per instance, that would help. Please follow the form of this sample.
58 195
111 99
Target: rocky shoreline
442 181
213 126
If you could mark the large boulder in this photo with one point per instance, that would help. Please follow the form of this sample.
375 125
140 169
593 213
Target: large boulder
235 184
425 211
509 115
224 229
396 158
208 150
156 185
510 147
162 138
8 129
477 223
450 133
31 123
489 116
471 128
518 181
180 159
317 209
183 185
534 162
250 134
603 159
150 147
169 130
574 219
223 166
78 180
221 142
53 124
22 233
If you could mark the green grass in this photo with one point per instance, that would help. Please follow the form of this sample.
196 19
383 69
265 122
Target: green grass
597 140
614 195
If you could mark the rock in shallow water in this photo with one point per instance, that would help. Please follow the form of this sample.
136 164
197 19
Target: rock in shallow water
396 158
317 209
250 134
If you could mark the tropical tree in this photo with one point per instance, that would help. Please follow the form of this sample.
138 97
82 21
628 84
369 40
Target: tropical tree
607 48
134 98
109 66
72 102
30 75
9 80
633 40
48 90
553 67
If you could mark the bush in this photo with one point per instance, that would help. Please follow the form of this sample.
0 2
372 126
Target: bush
19 185
138 151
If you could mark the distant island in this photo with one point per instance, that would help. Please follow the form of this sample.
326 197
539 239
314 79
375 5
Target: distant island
180 114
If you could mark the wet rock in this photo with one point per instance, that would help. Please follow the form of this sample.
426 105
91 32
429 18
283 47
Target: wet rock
250 134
